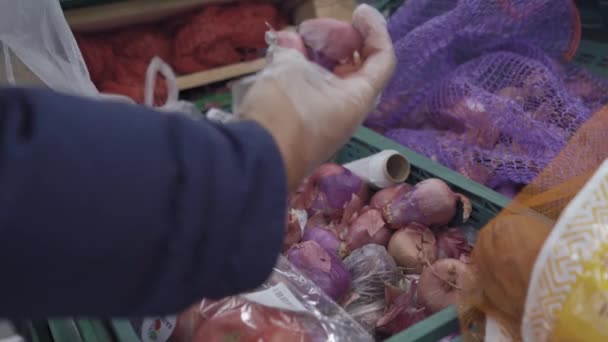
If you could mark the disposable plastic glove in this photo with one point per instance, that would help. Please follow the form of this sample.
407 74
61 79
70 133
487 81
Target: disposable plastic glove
311 112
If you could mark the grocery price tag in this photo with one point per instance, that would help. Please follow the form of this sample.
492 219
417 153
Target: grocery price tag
277 296
157 329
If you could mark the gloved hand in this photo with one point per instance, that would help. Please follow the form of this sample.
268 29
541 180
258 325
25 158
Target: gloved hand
310 112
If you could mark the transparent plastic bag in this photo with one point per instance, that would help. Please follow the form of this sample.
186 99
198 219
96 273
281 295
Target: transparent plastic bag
287 307
39 45
38 48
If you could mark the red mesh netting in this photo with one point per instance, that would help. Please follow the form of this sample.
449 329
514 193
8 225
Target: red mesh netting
213 36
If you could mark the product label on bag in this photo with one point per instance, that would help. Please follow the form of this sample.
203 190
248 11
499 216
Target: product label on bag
157 329
277 296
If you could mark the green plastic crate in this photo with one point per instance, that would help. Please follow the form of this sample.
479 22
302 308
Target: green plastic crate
486 204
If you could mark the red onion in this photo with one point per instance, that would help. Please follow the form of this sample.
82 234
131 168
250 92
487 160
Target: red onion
323 268
452 243
293 230
413 247
383 236
327 240
385 196
431 203
401 312
364 228
440 284
333 188
330 41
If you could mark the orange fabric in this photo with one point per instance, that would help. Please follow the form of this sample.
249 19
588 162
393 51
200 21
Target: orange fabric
507 246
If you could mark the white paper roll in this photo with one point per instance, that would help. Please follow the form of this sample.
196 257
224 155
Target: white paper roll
381 170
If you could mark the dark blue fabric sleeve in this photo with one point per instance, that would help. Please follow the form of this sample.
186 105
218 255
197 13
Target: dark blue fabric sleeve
109 209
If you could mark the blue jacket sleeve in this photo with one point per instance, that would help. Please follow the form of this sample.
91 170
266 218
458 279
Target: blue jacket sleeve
109 209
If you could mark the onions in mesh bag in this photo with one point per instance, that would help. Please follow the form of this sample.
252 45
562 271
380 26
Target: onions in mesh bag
440 285
431 203
413 247
452 243
239 319
371 267
323 268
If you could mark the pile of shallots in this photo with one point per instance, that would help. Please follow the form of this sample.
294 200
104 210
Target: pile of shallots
390 258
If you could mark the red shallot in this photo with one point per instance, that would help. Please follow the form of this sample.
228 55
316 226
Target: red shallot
384 196
323 268
452 243
331 188
413 247
327 240
330 41
441 283
365 228
401 311
431 203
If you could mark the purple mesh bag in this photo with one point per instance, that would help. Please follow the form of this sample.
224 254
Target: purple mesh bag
482 86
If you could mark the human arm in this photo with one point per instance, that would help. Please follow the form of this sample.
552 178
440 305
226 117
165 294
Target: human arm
112 209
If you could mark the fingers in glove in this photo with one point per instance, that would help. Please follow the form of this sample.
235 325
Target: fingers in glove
378 54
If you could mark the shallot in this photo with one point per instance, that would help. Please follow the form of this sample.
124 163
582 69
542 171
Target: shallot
440 285
401 311
384 196
413 247
331 188
430 203
323 268
330 41
452 243
327 240
365 228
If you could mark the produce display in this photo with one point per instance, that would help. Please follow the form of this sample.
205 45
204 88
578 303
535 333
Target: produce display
390 258
213 36
484 88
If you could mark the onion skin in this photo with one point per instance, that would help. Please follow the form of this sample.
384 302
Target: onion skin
452 244
385 196
413 247
364 228
430 203
323 268
331 39
293 231
440 285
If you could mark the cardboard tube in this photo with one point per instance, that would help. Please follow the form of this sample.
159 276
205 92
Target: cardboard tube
381 170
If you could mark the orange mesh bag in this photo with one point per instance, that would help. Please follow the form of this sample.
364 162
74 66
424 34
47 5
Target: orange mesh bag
508 246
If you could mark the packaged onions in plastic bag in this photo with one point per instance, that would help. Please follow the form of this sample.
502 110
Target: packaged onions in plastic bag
288 307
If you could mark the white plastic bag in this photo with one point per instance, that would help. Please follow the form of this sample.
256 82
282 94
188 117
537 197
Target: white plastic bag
39 48
37 35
